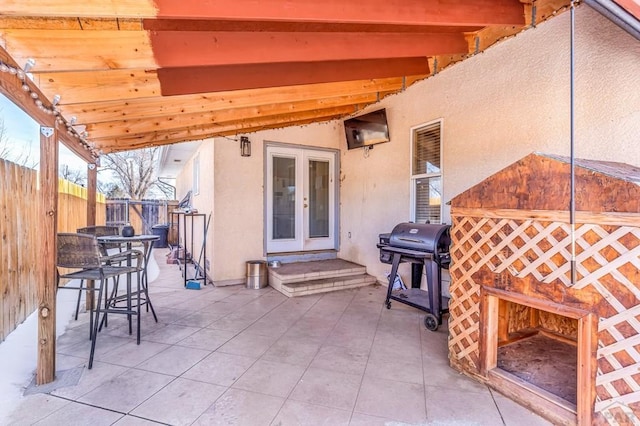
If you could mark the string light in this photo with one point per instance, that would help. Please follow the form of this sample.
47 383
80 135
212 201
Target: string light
30 64
21 75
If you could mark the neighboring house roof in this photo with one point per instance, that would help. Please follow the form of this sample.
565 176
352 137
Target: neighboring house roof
624 13
142 72
174 157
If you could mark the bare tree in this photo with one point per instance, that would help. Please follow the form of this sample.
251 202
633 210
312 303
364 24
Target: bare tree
79 177
134 171
111 190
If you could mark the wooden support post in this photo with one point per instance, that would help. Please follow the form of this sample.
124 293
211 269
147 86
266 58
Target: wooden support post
587 367
92 183
503 320
488 344
46 364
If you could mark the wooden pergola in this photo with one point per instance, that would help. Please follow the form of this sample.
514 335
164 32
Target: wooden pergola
109 76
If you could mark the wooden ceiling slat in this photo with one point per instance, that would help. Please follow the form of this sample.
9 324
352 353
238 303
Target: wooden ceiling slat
37 23
99 86
232 131
74 23
405 12
69 50
189 104
193 133
85 8
167 122
91 24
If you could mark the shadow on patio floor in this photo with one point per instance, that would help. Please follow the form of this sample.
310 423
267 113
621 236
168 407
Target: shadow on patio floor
230 355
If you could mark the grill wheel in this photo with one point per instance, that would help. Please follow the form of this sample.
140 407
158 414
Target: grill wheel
431 322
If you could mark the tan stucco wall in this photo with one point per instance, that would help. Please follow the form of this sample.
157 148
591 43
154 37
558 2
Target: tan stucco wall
239 209
203 201
497 107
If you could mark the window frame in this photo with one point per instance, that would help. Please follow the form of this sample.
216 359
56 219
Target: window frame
413 178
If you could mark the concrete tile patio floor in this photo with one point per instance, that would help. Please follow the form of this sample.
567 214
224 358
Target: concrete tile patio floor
230 355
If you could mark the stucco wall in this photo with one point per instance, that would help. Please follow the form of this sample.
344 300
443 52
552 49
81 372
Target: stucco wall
204 200
497 107
239 200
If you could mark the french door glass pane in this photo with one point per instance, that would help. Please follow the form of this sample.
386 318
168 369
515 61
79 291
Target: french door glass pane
318 199
284 198
428 199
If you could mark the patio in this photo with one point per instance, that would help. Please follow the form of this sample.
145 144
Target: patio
229 355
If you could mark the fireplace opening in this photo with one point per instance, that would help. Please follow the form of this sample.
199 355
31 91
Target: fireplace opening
539 347
540 353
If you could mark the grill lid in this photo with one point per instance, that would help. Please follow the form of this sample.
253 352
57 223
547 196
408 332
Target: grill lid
425 237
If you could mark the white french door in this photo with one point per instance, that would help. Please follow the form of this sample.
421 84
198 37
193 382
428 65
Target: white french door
301 205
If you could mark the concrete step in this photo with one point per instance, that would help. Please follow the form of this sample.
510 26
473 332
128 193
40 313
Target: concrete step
308 271
303 278
325 285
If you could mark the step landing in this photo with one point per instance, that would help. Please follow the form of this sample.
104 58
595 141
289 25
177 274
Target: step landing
303 278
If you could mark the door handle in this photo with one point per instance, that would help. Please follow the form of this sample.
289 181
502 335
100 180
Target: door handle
305 206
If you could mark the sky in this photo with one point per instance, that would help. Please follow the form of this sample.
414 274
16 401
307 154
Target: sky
23 137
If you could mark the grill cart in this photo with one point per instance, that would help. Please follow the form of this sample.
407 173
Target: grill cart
424 245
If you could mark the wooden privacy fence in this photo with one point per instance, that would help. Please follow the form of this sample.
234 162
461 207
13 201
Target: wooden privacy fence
72 207
20 251
141 214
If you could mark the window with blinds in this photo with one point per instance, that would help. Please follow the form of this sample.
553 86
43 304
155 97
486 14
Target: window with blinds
426 174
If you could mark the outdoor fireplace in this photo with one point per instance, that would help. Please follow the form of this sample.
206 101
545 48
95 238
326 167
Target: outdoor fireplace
566 346
538 347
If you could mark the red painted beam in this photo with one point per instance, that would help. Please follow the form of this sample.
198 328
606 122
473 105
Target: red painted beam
191 80
301 27
402 12
282 26
205 48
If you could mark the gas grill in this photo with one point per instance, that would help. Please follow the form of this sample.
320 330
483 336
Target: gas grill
424 245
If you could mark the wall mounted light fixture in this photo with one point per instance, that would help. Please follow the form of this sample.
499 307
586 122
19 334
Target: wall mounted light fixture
245 146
